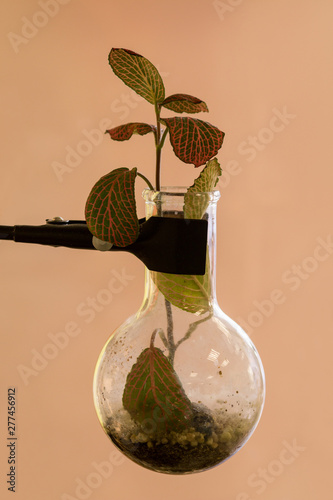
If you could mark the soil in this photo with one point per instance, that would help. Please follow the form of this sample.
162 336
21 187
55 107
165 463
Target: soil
211 440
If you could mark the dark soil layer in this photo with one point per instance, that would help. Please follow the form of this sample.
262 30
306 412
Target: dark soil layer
192 450
174 458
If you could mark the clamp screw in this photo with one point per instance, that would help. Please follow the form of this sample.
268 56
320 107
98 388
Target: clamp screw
56 220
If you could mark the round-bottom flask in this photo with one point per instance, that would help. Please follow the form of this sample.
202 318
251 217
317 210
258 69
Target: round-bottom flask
179 387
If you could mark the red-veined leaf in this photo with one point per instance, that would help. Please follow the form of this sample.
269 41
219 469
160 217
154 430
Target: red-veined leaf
125 132
194 141
153 394
196 206
138 73
184 103
111 209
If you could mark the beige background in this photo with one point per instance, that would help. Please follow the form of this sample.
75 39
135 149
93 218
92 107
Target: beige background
249 60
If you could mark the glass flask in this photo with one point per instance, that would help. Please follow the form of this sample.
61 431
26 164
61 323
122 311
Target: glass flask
179 387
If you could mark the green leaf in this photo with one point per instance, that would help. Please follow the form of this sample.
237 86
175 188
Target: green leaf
138 73
125 132
153 394
184 103
206 181
111 209
194 141
188 292
194 206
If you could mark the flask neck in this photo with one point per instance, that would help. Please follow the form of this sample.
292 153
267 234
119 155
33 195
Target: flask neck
195 294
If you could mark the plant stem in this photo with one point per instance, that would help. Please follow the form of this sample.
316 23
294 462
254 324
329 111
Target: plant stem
152 338
191 329
146 180
158 169
171 345
163 337
170 337
158 148
165 133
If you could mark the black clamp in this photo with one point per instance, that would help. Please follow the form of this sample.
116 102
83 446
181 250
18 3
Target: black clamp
165 244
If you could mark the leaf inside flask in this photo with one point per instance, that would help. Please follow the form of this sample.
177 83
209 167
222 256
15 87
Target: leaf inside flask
153 394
